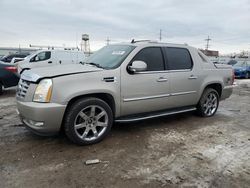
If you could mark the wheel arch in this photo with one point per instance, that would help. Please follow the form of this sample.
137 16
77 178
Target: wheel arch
216 86
24 69
108 98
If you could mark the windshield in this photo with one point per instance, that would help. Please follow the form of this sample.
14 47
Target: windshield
111 56
31 55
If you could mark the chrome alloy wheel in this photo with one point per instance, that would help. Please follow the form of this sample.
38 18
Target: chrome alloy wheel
91 123
210 105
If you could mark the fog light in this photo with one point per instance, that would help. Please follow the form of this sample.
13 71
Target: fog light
33 123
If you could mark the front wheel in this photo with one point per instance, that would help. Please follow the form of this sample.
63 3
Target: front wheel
208 103
88 121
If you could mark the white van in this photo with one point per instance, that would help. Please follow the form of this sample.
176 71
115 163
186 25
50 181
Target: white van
44 58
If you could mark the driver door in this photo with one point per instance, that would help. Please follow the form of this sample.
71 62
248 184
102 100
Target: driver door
149 90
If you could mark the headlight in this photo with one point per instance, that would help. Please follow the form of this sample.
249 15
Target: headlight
43 91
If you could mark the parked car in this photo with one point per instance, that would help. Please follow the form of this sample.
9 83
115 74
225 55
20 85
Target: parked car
8 76
8 58
242 69
121 83
44 58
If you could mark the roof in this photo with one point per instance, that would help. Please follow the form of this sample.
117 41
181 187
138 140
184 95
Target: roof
145 43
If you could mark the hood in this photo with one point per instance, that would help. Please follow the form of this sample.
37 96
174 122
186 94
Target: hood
54 71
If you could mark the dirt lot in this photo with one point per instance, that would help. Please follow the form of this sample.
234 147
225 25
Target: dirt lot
176 151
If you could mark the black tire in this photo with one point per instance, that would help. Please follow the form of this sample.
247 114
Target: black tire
202 105
247 75
73 112
1 89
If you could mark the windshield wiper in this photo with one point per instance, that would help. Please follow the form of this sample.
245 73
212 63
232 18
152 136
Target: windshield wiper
95 64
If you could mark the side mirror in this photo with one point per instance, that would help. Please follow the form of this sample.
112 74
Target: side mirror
137 66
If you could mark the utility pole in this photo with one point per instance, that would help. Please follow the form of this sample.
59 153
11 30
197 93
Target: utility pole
160 34
208 40
108 41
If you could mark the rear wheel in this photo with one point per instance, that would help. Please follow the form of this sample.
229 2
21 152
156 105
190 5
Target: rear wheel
247 75
208 103
1 89
88 121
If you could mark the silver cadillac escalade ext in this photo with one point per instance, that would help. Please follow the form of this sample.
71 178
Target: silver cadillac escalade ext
121 83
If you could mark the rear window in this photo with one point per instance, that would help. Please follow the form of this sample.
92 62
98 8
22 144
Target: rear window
178 58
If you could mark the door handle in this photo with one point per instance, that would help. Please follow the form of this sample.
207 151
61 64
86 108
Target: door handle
162 79
192 77
50 62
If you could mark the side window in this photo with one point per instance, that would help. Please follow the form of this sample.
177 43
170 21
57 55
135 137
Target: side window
178 58
42 56
152 56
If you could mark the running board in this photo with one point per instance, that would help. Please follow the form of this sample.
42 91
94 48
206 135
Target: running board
140 117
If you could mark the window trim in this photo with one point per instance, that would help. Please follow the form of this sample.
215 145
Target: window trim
149 72
165 71
178 70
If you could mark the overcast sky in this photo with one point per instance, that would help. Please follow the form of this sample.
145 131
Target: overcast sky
61 22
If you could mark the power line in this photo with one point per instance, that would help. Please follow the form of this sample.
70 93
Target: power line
233 38
208 40
108 41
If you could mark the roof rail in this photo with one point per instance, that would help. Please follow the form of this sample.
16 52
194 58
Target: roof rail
155 41
54 47
135 41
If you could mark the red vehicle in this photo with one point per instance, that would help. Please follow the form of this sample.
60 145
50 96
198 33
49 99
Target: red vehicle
8 76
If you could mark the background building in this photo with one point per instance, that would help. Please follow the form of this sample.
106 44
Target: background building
9 50
212 53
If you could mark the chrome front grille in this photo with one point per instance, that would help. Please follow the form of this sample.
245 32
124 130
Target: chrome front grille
22 89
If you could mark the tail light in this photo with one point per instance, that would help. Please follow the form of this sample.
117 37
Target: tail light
11 69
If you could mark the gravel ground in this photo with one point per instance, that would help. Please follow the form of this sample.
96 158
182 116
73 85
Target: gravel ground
176 151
